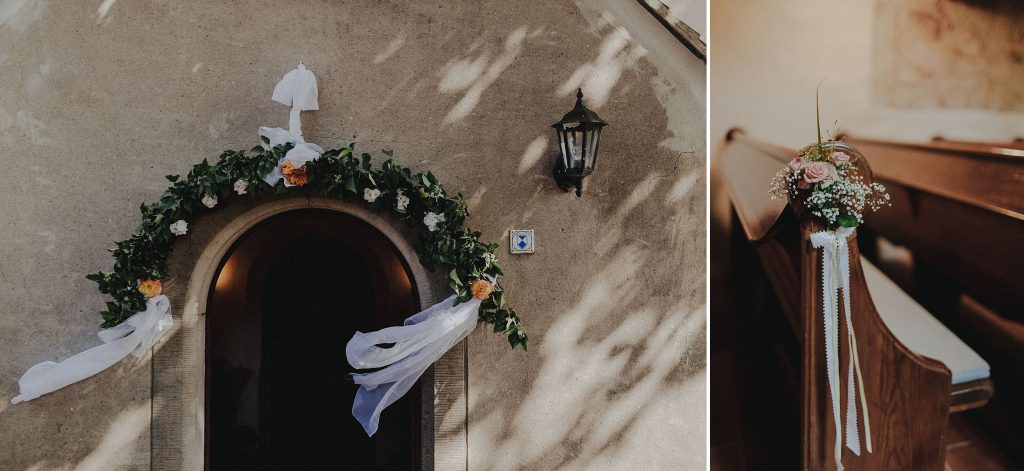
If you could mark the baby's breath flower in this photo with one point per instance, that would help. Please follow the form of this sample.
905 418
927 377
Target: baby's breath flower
838 194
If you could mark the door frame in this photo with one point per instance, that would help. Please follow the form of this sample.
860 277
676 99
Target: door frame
177 427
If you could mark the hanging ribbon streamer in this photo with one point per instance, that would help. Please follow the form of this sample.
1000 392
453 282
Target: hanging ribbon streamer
298 90
421 341
133 336
835 274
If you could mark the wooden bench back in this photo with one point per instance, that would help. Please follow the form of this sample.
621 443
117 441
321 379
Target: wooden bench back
959 207
908 395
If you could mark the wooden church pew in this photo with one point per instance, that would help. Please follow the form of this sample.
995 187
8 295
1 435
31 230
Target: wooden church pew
958 208
910 396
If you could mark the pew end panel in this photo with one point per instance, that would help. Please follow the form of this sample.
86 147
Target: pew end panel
910 396
958 208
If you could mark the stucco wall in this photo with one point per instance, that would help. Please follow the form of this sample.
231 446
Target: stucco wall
99 100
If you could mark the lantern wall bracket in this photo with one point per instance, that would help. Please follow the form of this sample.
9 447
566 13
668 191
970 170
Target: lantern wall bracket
565 181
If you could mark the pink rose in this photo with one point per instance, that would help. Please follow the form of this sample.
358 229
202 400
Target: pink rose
796 163
815 172
840 158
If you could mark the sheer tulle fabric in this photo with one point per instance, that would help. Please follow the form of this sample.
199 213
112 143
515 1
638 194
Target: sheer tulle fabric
133 336
421 341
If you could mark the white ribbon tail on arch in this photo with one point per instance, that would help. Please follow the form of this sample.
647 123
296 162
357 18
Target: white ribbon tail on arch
420 342
133 336
835 275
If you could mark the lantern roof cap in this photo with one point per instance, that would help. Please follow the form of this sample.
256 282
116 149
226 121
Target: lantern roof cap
580 113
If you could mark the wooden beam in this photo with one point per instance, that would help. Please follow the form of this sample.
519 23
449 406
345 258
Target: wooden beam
683 32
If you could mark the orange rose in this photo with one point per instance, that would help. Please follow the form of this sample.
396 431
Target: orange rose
150 288
295 175
481 289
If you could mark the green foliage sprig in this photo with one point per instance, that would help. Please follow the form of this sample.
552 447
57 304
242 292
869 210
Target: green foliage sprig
338 173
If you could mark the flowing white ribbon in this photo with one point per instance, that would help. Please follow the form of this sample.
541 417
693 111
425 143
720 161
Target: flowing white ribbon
835 274
421 341
298 90
133 336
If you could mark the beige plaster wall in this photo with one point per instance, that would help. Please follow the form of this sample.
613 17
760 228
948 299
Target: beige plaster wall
100 99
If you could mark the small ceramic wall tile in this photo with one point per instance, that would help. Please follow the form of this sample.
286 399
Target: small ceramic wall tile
520 241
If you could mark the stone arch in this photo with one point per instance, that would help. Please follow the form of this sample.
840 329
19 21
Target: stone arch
177 431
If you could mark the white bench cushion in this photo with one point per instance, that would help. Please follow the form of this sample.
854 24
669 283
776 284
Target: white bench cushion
921 332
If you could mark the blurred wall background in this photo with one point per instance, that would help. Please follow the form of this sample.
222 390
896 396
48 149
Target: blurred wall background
767 58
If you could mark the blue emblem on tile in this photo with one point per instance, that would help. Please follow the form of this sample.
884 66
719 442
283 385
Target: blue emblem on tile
520 241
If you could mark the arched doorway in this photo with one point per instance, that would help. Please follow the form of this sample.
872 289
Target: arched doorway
287 296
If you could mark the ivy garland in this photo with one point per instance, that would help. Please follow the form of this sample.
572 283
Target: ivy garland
419 199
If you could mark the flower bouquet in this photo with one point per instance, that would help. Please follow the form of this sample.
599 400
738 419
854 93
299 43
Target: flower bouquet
831 182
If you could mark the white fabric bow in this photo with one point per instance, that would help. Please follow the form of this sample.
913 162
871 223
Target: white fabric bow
298 90
133 336
421 341
835 274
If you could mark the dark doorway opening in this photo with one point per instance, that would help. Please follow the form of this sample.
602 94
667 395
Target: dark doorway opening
286 299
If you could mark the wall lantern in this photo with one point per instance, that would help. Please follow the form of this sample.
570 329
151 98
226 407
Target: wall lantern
579 133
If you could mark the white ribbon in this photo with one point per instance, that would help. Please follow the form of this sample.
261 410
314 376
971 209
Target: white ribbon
298 90
421 341
133 336
835 261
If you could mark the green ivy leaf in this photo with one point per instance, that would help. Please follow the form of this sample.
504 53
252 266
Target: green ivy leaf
453 278
847 220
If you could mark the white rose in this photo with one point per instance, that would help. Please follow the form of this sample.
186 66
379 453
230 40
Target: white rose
370 194
432 220
209 201
402 203
240 187
179 228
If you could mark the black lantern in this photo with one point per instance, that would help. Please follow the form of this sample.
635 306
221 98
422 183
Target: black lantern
579 133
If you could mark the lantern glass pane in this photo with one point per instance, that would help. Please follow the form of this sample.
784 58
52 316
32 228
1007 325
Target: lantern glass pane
594 135
560 135
575 143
